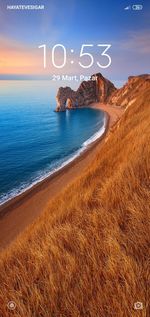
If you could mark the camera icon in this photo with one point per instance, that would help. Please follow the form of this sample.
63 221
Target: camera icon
138 305
11 305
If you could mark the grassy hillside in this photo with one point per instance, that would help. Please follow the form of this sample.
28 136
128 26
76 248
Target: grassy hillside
87 255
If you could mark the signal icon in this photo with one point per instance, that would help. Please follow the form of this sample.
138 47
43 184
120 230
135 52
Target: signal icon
127 8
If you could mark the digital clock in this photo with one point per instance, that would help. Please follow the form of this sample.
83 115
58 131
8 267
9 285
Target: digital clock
83 55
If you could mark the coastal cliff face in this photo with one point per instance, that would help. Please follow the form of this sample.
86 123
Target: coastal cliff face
97 89
125 96
100 89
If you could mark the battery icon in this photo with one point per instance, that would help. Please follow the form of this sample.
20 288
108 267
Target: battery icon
137 7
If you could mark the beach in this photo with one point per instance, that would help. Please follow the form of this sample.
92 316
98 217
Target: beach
19 212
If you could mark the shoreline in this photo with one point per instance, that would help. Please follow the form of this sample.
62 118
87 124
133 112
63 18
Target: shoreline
20 211
65 163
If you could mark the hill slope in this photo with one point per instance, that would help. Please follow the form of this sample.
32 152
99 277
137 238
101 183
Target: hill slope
87 255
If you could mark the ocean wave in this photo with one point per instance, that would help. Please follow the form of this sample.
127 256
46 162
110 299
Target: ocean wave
45 174
97 135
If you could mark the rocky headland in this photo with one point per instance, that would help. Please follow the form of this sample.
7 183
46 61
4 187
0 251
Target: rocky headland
99 89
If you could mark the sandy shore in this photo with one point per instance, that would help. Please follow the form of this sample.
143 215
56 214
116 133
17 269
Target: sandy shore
21 211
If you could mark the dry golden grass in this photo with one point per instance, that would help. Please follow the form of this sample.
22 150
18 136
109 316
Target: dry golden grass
87 255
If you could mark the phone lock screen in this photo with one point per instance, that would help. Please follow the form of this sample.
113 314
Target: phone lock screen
74 158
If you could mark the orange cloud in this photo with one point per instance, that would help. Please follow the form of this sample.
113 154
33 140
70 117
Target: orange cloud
20 59
16 58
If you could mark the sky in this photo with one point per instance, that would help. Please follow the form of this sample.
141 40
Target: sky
73 23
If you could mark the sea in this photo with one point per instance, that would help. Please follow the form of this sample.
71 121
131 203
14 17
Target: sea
36 141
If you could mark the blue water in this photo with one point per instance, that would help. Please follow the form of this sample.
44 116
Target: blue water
34 140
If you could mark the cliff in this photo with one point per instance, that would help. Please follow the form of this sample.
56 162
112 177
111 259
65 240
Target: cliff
126 95
97 89
101 90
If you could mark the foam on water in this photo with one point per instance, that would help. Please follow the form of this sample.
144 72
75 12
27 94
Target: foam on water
58 166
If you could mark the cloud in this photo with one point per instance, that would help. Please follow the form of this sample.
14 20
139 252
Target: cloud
15 57
129 56
18 58
137 41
